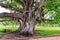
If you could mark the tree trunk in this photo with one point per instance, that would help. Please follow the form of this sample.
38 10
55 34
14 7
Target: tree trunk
26 28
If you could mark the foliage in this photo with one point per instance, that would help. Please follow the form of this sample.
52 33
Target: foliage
6 21
53 5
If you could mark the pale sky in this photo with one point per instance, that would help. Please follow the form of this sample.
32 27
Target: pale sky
2 9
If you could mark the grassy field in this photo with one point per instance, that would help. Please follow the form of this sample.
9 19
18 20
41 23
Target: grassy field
42 29
47 28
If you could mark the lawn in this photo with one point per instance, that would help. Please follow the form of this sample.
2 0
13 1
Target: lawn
42 29
47 28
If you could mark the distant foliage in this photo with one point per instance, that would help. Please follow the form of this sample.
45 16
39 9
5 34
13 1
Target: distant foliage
53 5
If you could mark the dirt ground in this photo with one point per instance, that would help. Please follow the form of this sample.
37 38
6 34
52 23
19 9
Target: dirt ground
13 36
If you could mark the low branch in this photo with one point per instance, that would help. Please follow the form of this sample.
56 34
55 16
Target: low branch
11 15
11 7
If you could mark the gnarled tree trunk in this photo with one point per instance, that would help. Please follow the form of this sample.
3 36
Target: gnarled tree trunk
26 27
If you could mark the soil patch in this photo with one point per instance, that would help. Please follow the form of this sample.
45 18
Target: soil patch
15 36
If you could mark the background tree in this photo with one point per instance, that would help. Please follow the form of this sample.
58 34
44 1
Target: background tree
52 5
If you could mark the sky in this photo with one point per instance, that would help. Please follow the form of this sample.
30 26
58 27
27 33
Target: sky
2 9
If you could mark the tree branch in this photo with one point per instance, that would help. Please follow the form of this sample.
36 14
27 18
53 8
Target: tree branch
12 15
11 7
38 5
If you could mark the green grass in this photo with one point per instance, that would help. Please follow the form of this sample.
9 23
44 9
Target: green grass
42 29
8 27
47 29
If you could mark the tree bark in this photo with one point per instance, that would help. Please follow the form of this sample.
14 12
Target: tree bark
26 28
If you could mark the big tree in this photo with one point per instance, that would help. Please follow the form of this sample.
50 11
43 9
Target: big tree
25 15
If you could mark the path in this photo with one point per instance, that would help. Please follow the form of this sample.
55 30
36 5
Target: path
48 38
19 37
